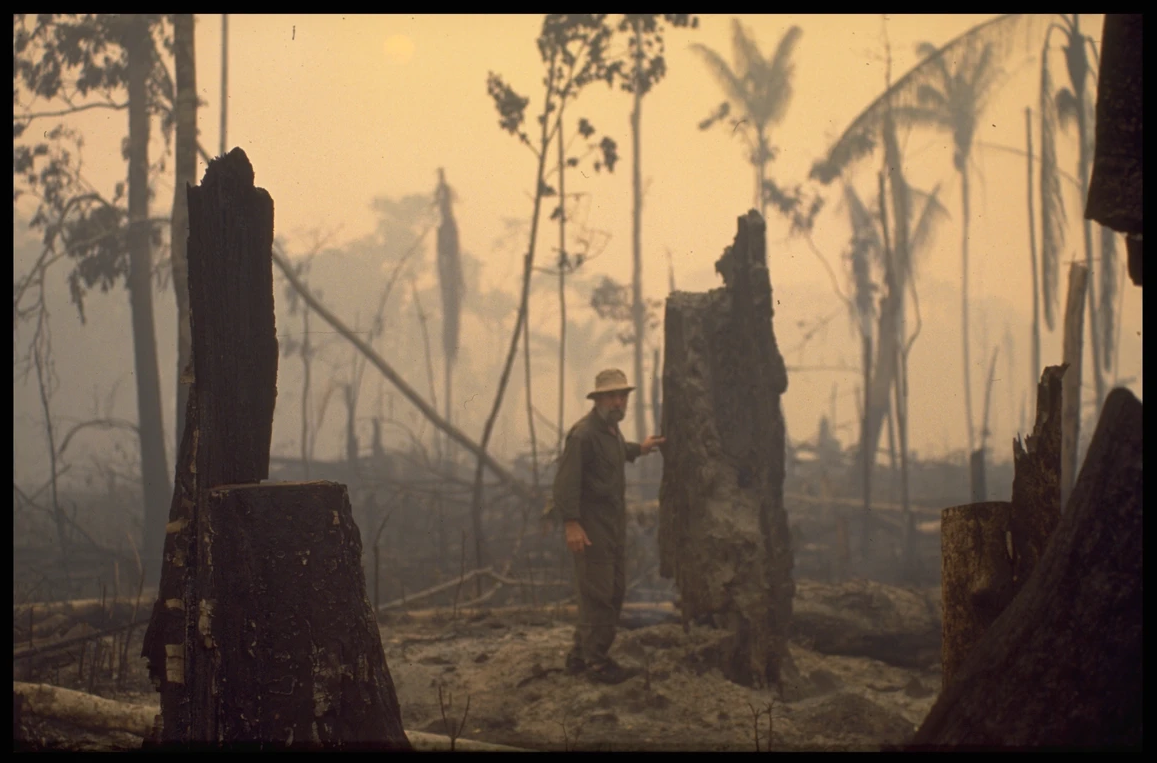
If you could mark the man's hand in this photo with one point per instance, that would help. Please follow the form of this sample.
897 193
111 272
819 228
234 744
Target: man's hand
649 444
576 537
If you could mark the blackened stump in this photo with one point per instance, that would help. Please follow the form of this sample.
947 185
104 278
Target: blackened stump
723 532
243 646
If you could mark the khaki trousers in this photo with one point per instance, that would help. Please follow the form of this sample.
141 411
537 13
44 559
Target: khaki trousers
601 577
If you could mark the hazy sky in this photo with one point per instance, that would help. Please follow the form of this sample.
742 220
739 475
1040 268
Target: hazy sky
335 110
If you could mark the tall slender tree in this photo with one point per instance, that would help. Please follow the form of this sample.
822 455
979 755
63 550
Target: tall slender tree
954 104
185 66
944 90
758 92
450 281
569 260
573 50
1059 107
1036 291
647 66
70 58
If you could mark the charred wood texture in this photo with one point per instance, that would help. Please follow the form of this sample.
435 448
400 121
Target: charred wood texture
975 578
296 654
1071 383
990 549
1115 187
723 532
1036 482
1062 666
194 630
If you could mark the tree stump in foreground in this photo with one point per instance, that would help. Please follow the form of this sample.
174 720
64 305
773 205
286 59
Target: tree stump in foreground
1062 665
990 549
298 655
975 577
723 531
244 646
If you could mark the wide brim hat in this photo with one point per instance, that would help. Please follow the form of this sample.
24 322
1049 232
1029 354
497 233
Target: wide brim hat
610 380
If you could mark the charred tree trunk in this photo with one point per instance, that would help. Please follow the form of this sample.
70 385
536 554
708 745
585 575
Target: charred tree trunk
991 549
1036 493
1062 666
1071 386
1114 198
225 644
723 529
336 689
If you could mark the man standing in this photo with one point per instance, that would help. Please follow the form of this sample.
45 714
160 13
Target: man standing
590 497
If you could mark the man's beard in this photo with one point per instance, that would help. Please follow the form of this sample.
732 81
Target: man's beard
614 415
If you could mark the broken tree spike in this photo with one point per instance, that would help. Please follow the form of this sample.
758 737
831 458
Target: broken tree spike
1036 493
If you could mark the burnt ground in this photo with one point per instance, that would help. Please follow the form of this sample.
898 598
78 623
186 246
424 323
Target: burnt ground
508 665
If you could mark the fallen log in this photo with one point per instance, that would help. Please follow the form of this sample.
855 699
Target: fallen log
55 646
85 710
863 618
100 714
79 609
450 585
1062 665
520 488
558 608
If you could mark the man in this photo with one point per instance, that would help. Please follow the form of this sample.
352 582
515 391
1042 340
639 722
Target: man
590 497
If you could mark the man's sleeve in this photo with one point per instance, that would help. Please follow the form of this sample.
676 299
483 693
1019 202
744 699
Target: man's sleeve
634 450
569 479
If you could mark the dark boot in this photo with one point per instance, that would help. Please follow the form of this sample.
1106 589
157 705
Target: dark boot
610 672
575 664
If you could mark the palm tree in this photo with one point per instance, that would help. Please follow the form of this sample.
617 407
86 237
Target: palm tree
758 89
954 104
936 94
1061 107
874 259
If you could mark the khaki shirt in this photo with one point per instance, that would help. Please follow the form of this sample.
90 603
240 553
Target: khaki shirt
591 485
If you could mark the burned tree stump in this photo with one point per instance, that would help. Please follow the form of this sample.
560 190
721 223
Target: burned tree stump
1036 481
975 577
296 626
990 549
723 531
224 616
1062 666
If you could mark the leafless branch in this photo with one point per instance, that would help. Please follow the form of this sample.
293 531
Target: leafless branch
28 117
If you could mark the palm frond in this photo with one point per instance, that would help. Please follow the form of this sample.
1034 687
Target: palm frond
986 76
1109 287
924 117
732 85
930 97
745 52
858 140
1052 211
864 250
932 214
928 52
774 91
